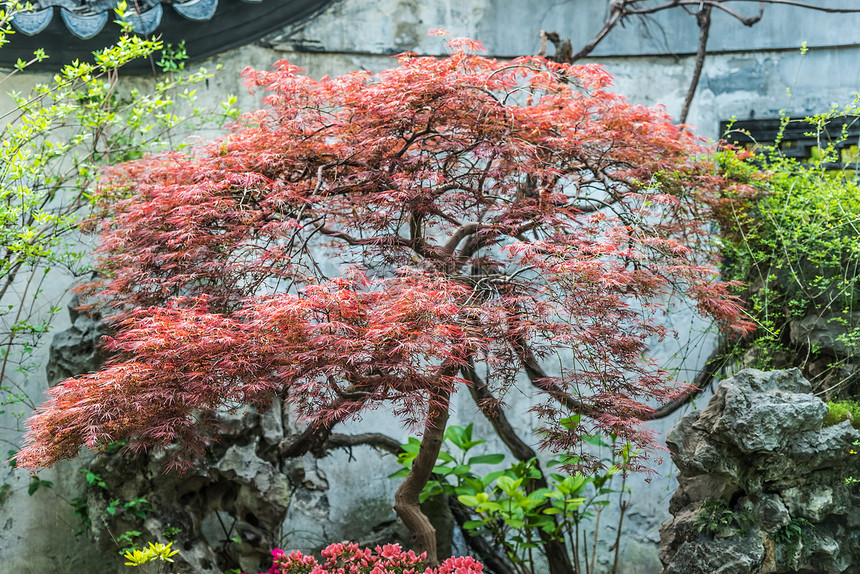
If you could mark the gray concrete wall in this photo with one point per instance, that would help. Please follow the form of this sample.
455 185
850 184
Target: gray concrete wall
511 28
746 75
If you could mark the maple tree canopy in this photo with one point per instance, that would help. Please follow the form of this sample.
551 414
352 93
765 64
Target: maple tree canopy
372 239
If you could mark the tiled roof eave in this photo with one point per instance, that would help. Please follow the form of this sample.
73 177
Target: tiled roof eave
193 23
85 18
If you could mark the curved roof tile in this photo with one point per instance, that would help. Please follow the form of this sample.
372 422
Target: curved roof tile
199 10
86 18
83 26
33 22
73 29
146 22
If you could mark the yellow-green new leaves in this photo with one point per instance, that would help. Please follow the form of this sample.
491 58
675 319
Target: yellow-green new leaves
54 142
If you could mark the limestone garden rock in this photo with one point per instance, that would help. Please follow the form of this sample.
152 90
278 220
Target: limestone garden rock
226 513
762 484
76 350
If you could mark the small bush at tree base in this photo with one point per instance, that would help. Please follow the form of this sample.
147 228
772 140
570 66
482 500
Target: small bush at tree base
350 559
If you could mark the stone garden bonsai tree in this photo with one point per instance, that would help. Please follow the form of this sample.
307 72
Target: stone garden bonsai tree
385 239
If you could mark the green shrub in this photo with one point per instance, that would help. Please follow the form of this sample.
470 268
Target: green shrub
519 507
838 411
793 245
792 536
55 140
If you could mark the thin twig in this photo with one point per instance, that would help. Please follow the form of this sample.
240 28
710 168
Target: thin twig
703 18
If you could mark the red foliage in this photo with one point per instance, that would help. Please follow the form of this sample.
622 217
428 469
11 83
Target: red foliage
350 559
478 211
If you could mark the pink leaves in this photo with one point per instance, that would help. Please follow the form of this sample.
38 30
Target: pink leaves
383 339
493 212
350 559
465 46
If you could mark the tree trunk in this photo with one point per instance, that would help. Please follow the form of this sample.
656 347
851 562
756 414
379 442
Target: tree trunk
406 502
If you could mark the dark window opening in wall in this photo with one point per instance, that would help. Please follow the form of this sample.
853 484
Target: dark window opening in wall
801 140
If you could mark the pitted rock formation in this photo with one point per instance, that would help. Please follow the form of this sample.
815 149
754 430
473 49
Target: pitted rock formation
77 350
226 513
233 508
760 446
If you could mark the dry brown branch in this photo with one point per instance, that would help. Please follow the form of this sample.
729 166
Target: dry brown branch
621 10
703 19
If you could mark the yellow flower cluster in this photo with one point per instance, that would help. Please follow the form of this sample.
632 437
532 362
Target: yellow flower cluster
156 551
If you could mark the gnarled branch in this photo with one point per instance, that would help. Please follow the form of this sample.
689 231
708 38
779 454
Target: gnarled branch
620 10
373 439
715 362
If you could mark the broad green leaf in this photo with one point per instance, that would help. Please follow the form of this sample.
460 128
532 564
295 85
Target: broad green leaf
487 459
412 445
508 484
540 494
460 470
406 458
515 522
570 422
489 506
457 435
402 473
470 444
446 457
489 478
475 484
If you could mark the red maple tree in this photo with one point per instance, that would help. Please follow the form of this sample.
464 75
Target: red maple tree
387 238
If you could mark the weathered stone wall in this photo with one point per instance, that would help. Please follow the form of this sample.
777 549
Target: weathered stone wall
760 448
746 74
